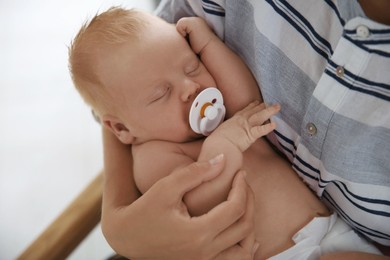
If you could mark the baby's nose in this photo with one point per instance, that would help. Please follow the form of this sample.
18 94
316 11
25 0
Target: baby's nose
190 90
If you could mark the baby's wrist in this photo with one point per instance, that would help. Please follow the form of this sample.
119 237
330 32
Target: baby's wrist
228 138
206 46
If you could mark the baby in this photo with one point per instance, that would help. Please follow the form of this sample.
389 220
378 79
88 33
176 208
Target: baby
141 76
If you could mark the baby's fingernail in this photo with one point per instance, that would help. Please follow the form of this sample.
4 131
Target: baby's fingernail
217 159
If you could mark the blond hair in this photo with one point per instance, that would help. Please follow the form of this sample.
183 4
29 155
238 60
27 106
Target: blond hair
110 28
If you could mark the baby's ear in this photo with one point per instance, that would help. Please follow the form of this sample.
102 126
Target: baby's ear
118 128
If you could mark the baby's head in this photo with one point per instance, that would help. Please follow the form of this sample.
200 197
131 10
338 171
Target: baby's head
92 44
139 75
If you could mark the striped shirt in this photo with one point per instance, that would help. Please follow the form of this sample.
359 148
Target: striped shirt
328 66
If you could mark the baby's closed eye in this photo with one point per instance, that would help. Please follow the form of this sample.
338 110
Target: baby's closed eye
160 93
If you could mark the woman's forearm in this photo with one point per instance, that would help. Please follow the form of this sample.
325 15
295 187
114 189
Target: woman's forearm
119 187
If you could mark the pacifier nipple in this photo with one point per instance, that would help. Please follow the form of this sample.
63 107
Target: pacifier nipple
207 111
211 112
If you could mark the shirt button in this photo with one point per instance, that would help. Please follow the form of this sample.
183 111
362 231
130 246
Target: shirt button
311 128
340 71
362 31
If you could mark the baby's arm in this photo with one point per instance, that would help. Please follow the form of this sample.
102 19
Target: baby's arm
232 76
157 159
231 138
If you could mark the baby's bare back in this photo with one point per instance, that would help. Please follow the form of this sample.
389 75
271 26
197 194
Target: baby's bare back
283 203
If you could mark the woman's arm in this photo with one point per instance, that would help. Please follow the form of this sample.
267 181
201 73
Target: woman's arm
119 187
233 77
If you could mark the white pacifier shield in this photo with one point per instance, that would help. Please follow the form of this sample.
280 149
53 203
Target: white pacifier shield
207 111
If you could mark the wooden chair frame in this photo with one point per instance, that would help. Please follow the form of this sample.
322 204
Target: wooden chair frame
66 232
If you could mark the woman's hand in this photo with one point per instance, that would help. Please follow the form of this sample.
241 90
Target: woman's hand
157 225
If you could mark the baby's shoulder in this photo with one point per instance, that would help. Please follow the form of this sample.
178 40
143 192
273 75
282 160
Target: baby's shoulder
158 148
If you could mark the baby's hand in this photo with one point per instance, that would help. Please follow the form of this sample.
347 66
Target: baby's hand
249 124
199 33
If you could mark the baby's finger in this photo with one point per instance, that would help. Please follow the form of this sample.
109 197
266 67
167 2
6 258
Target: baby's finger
262 115
262 130
248 110
182 27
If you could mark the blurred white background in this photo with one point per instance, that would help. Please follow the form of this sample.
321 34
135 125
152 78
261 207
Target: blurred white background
50 147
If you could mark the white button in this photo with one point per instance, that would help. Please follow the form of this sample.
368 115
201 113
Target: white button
362 31
311 128
340 71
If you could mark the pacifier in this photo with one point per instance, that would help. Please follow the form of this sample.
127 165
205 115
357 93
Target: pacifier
207 111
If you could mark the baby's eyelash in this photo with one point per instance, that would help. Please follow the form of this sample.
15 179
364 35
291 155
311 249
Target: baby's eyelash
165 91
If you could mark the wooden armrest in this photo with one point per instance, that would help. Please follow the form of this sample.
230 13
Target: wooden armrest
64 234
